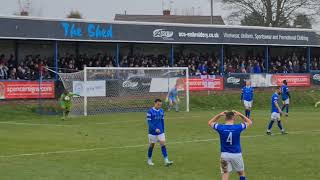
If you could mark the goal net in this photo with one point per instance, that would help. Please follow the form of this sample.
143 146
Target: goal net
111 89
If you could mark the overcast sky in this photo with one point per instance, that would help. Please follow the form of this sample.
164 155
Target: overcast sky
106 9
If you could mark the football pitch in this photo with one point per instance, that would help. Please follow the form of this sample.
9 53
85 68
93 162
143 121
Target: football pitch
112 147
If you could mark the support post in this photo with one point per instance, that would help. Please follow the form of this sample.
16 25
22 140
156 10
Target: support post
172 56
118 55
266 58
222 59
309 59
56 64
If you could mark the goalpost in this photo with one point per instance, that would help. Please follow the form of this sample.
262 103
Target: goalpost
122 89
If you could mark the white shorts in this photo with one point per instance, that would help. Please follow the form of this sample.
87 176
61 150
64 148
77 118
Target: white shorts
247 104
287 101
275 116
231 161
156 138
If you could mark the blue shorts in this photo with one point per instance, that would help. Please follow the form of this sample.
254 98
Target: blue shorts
173 99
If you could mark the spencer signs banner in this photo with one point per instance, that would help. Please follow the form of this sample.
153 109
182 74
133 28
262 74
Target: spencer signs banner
206 84
24 28
26 90
269 80
195 84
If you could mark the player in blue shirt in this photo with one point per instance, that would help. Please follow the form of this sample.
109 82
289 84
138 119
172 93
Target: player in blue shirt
173 99
247 98
275 112
155 119
285 96
231 154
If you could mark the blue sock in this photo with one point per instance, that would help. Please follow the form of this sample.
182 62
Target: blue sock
283 106
270 124
280 125
287 108
249 112
242 178
246 113
150 152
164 151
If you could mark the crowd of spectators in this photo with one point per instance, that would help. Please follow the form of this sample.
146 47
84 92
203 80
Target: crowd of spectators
290 64
240 64
31 66
315 64
71 63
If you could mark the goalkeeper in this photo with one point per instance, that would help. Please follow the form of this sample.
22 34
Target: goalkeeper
65 102
173 98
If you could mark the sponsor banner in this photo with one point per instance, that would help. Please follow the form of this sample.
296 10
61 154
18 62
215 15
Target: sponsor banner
23 28
269 80
302 80
139 83
26 90
195 84
315 78
198 84
262 80
163 84
94 88
236 80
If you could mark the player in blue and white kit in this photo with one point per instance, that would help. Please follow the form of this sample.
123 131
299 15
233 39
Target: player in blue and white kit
275 112
173 99
231 154
247 98
285 96
155 119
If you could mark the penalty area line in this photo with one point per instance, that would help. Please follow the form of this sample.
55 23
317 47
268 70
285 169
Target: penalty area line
137 146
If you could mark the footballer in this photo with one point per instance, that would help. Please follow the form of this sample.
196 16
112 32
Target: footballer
173 98
65 103
275 112
155 119
247 98
231 153
285 95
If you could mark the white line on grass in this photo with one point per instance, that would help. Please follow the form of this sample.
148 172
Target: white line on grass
71 125
116 122
35 124
135 146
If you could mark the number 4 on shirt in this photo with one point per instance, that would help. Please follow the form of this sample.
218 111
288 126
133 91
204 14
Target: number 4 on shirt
229 139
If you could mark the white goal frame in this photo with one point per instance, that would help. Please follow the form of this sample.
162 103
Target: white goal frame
186 69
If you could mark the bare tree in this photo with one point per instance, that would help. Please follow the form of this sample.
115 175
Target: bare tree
275 13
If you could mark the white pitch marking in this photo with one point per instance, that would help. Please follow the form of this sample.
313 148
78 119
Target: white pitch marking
135 146
71 125
35 124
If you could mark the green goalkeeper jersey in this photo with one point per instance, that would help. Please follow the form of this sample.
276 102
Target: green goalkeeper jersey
65 99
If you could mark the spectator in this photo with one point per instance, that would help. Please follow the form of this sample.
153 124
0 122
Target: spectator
3 71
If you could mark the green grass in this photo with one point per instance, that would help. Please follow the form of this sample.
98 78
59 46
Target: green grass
221 100
113 147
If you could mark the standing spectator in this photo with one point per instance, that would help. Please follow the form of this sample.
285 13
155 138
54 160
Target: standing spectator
3 71
257 68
